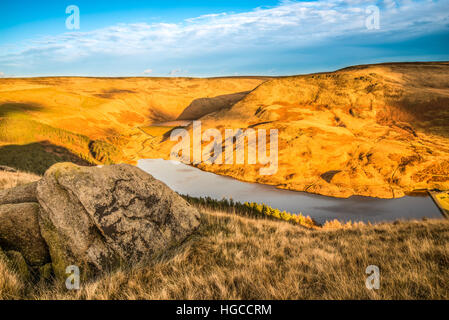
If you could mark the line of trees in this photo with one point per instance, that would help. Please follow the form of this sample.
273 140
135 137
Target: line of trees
254 210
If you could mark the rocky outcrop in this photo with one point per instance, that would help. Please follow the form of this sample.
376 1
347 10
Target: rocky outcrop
91 217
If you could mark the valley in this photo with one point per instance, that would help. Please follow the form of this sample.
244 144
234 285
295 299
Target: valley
377 130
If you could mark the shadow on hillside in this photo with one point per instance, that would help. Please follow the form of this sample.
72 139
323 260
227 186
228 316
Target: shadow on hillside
166 136
430 116
112 93
203 106
37 157
9 108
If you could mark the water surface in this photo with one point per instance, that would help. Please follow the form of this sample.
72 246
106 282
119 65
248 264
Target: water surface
191 181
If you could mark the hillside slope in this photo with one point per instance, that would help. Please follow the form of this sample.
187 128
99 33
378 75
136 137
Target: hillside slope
204 106
376 130
78 113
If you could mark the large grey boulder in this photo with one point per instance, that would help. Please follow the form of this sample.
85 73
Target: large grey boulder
95 217
21 194
19 231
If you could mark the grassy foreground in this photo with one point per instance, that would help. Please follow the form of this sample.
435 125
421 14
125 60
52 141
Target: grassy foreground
256 257
233 257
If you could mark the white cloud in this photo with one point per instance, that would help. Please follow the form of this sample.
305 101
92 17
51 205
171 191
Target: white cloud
2 74
290 25
206 17
148 71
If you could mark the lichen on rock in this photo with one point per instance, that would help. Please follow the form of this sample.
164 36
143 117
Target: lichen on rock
95 218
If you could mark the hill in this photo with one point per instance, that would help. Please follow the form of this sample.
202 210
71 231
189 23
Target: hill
375 130
98 119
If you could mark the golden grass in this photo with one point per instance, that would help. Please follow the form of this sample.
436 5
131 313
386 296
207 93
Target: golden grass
25 140
27 131
157 131
11 179
11 286
443 199
232 257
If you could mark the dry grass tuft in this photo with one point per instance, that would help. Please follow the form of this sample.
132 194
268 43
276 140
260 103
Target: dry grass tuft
11 286
11 179
337 225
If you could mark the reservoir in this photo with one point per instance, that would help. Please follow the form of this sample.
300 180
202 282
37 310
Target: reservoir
187 180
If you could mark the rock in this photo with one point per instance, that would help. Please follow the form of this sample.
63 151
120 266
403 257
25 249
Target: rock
95 217
19 231
19 194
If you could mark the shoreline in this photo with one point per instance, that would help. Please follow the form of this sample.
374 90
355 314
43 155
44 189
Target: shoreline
320 207
434 196
414 193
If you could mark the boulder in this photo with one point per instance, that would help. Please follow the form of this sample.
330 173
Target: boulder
19 231
20 194
95 217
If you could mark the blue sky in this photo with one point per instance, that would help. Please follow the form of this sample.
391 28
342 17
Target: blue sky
215 38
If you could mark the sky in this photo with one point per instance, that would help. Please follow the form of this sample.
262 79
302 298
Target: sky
216 38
